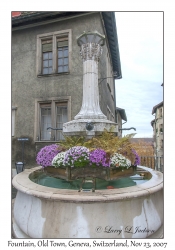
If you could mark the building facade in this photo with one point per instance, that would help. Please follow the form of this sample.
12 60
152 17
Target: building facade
47 75
158 130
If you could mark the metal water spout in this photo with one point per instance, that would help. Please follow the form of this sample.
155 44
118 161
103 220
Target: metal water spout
127 128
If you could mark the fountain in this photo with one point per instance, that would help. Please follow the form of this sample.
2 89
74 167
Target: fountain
57 210
90 120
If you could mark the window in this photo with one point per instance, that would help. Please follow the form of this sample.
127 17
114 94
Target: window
160 112
62 45
45 121
51 114
161 128
47 57
54 53
61 117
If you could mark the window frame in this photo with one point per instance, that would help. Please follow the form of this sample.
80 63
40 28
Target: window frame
62 39
54 36
161 112
53 102
60 105
44 42
42 105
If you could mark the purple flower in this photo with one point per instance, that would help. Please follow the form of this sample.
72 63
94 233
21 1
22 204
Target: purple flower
98 157
46 155
137 158
77 156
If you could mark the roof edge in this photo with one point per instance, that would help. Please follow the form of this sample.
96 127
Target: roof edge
111 31
122 113
156 106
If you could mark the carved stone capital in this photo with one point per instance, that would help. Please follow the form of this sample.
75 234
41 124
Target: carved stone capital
91 51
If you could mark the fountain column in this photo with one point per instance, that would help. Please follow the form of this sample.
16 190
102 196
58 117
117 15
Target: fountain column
90 120
90 51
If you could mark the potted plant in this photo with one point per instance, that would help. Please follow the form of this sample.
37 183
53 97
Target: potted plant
104 157
80 162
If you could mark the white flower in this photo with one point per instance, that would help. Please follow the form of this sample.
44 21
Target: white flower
58 160
119 160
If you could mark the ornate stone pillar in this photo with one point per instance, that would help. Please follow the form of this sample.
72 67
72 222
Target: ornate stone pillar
90 50
90 121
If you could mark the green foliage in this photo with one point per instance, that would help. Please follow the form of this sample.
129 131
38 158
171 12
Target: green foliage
112 144
72 141
107 141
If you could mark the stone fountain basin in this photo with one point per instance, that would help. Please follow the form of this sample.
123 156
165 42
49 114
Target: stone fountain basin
45 212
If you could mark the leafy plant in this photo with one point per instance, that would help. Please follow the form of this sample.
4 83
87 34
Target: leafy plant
112 144
81 152
107 141
72 141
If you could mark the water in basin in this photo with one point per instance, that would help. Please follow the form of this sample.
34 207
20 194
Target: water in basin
42 179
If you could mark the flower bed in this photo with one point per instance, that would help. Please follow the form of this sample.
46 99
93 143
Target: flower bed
90 160
80 162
